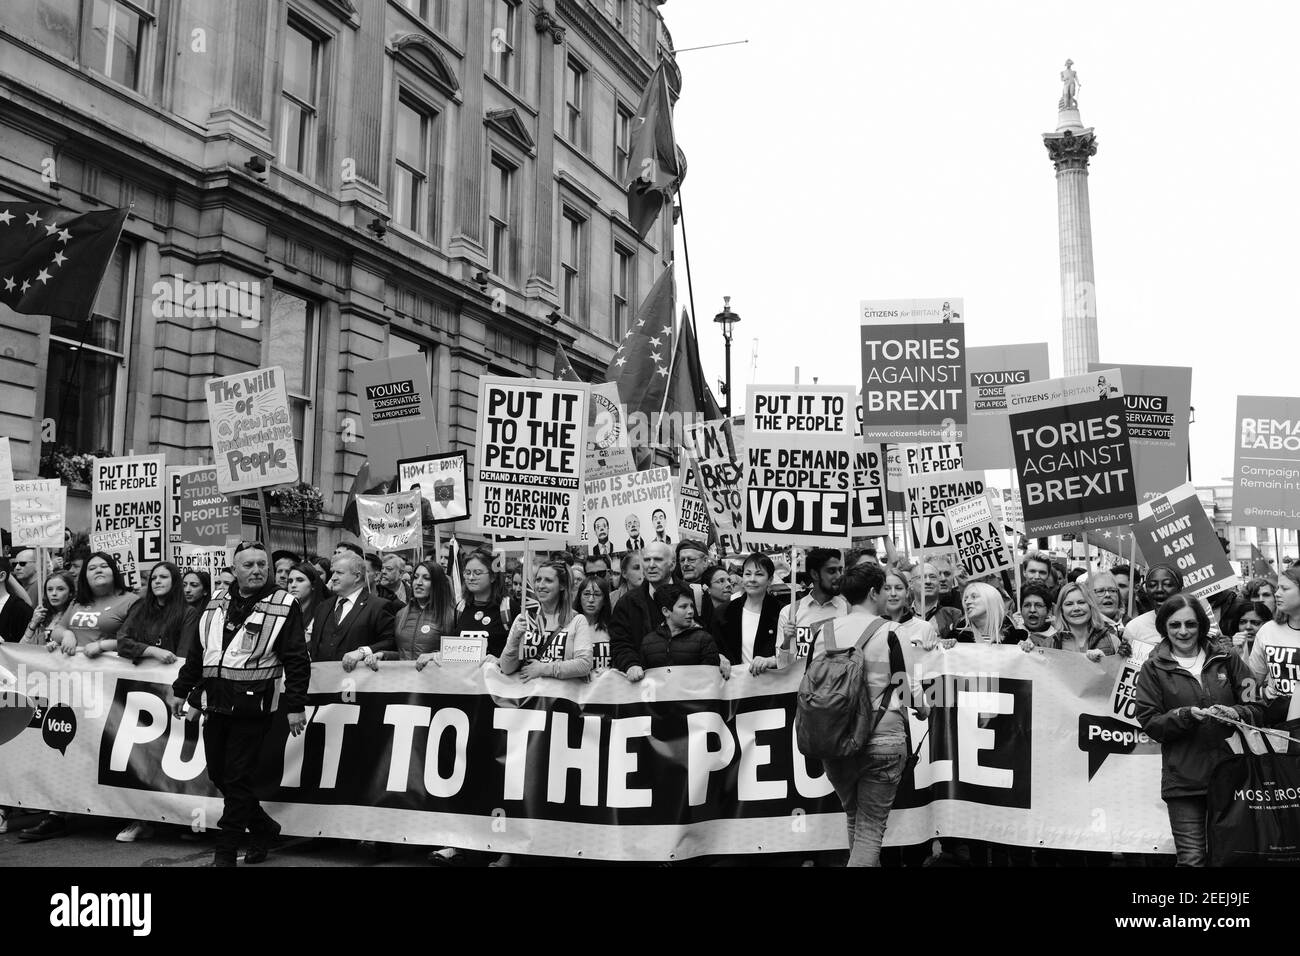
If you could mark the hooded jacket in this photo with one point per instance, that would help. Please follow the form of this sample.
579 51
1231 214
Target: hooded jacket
1190 748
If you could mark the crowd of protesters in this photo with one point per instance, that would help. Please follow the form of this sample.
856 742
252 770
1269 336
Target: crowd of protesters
666 606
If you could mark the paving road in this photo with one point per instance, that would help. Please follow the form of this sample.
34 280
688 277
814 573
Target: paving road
91 843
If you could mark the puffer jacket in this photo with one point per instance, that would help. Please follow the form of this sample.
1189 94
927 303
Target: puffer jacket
1190 748
692 646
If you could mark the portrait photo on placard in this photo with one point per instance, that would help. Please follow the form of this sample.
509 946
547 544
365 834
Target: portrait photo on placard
440 480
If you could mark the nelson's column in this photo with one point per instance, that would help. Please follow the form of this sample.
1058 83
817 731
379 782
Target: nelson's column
1069 148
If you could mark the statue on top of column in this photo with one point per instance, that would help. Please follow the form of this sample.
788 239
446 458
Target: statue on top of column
1070 83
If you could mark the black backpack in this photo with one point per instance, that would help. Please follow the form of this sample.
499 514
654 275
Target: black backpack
834 716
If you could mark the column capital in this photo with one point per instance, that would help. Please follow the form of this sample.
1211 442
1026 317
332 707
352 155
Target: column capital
1070 150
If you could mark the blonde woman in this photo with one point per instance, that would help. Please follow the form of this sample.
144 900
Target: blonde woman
986 618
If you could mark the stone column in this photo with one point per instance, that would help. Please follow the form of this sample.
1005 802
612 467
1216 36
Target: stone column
1069 148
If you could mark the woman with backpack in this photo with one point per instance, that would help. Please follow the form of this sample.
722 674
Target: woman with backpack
866 777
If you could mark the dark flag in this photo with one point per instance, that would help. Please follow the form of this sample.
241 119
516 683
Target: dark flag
689 390
563 371
52 261
642 364
656 166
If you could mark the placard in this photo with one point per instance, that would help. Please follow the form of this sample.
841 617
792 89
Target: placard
128 508
989 370
608 448
928 498
626 512
440 480
977 531
252 430
692 514
1174 529
1266 462
390 522
913 370
397 418
1158 404
469 648
870 517
121 545
203 525
531 455
799 462
1123 697
1075 467
38 513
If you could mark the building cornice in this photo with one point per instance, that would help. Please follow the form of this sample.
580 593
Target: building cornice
613 46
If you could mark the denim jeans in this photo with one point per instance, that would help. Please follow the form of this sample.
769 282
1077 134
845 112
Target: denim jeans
1187 821
866 784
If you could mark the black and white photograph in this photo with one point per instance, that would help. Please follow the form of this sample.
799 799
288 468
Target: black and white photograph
1016 275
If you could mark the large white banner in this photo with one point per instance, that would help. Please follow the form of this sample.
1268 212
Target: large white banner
1022 749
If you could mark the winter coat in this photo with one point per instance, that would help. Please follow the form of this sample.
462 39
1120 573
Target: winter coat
1190 748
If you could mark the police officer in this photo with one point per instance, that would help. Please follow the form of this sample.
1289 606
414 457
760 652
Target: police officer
246 638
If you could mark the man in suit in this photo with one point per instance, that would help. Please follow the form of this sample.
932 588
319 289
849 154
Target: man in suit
660 518
353 626
634 540
15 613
603 546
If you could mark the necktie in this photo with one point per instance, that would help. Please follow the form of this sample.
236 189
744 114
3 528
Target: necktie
338 615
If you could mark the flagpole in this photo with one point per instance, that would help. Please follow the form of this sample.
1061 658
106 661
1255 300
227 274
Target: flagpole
668 382
686 253
1132 572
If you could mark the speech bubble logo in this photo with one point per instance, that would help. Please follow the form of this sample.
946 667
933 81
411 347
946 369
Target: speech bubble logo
15 714
38 715
1100 736
60 727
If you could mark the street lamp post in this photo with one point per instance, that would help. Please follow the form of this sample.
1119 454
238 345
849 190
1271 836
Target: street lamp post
727 319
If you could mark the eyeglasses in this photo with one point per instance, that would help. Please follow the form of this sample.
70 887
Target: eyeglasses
474 574
1105 590
598 574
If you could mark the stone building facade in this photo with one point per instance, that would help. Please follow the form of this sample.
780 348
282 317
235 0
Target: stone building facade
379 177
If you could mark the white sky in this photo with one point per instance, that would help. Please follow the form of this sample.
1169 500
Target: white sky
869 150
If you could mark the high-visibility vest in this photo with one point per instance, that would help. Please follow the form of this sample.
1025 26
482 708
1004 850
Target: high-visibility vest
244 660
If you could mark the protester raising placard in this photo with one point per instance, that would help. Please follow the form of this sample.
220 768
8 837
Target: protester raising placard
1173 529
1158 405
977 531
127 504
989 370
1071 443
626 512
913 369
531 455
252 430
1266 465
799 462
